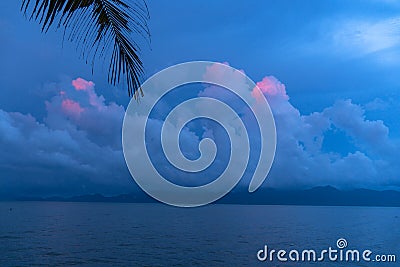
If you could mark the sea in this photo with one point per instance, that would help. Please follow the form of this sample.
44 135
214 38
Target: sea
130 234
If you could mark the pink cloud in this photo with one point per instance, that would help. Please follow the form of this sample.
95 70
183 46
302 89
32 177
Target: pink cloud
82 85
84 111
221 73
88 86
230 77
271 86
71 108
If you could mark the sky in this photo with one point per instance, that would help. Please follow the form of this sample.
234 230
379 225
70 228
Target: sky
329 70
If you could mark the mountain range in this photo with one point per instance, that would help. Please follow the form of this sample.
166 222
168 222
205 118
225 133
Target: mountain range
317 196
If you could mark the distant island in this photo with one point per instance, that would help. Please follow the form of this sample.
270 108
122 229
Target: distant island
317 196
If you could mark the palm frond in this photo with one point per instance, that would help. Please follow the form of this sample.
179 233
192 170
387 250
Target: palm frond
99 27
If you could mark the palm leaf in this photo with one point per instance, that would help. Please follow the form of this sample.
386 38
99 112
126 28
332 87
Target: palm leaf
101 28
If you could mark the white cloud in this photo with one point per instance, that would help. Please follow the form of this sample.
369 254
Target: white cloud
349 38
364 36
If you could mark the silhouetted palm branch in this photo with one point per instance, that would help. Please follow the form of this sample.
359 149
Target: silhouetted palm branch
99 26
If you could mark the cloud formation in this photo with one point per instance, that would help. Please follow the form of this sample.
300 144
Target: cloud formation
368 36
76 147
302 158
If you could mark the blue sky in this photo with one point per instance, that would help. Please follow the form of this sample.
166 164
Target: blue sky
337 117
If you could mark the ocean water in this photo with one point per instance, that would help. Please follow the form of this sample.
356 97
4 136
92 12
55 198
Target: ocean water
125 234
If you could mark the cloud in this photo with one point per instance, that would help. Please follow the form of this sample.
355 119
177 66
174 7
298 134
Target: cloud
301 159
270 86
376 104
81 84
76 147
71 108
353 38
351 119
365 36
88 86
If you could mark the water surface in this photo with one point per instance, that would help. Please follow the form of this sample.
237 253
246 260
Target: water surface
126 234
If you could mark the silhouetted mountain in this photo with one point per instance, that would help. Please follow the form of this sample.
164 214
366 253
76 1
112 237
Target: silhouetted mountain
317 196
139 197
